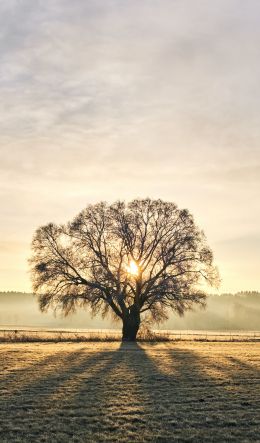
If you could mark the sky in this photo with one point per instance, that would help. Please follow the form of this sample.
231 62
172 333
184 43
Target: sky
118 99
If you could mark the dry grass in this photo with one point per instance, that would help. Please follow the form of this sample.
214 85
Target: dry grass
144 335
56 336
108 392
21 336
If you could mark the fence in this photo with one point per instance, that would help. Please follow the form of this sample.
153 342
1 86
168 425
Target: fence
30 334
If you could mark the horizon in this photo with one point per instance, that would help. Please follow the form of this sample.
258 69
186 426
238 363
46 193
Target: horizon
248 292
223 312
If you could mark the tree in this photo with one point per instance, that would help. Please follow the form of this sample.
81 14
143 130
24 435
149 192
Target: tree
134 260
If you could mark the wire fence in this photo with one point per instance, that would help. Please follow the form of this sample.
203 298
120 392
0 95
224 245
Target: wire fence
214 335
23 334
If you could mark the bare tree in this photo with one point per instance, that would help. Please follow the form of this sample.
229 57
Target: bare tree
143 258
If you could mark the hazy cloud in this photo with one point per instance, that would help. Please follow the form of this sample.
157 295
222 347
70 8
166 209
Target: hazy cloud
111 99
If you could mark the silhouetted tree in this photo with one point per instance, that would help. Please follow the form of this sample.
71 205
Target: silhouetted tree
144 257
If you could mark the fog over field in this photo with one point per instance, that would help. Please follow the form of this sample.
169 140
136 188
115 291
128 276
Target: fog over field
240 311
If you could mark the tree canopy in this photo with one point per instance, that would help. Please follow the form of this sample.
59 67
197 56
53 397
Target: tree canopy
145 257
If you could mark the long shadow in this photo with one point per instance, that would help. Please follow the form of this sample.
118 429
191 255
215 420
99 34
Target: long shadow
251 369
195 405
132 394
133 397
36 407
17 378
246 376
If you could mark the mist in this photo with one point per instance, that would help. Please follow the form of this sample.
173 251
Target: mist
224 312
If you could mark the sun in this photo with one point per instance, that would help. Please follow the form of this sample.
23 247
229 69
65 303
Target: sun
133 268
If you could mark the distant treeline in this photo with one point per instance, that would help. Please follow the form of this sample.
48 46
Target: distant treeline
241 294
15 293
236 294
239 311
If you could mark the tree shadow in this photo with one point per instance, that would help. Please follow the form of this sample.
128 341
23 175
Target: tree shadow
195 403
133 393
40 407
17 378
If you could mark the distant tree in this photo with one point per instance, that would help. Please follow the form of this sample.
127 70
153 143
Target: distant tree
143 258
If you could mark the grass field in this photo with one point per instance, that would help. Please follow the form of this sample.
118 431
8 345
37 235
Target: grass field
109 392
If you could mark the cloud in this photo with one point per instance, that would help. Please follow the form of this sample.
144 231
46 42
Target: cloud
111 99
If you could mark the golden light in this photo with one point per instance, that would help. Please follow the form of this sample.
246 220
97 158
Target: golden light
133 268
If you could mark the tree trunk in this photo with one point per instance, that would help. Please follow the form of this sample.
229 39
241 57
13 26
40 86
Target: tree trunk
131 323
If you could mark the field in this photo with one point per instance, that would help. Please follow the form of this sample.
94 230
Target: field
112 392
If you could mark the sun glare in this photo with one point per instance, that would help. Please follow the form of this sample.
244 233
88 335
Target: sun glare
133 268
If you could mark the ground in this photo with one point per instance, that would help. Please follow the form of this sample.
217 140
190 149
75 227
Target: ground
108 392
